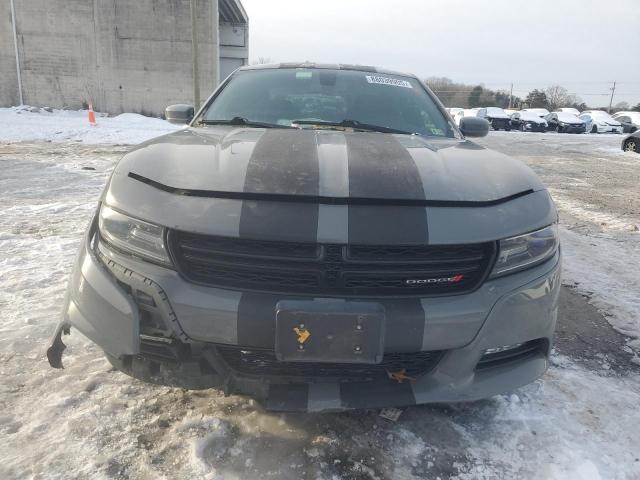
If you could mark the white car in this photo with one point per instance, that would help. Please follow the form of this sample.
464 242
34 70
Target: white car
573 111
541 112
597 121
453 110
467 112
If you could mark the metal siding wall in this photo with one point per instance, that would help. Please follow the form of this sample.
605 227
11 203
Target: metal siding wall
8 76
122 55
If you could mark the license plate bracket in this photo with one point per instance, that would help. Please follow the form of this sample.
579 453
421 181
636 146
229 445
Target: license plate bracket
329 332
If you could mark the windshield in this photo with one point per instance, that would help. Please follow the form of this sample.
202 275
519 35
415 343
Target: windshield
496 111
317 97
529 116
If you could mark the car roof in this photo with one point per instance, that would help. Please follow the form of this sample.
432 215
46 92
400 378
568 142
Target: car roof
332 66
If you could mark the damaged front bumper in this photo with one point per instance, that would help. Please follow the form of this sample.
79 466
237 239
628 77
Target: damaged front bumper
155 326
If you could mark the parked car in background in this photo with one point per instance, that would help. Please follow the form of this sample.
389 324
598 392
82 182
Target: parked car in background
598 121
541 112
467 112
630 121
632 142
497 117
510 111
574 111
564 122
528 121
453 111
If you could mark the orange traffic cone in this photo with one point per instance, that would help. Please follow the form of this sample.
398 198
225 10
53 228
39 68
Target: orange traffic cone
92 115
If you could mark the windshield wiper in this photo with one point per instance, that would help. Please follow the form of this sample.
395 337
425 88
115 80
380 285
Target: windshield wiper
245 122
355 124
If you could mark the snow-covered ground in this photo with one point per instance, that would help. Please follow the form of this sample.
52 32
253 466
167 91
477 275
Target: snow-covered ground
88 421
31 124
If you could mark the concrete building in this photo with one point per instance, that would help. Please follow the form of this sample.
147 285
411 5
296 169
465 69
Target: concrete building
120 55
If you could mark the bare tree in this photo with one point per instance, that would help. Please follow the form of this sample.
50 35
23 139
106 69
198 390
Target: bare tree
621 106
557 97
262 61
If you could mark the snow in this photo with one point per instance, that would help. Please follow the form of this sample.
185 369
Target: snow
91 422
530 116
568 117
604 267
495 112
21 124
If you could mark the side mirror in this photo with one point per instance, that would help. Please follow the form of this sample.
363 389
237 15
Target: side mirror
474 127
179 113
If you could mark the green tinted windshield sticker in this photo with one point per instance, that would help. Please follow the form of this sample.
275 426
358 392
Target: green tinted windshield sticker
304 74
388 81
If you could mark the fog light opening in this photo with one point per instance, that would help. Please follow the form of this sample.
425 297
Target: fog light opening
503 348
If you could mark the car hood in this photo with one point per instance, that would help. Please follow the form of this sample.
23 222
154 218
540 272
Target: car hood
498 116
325 166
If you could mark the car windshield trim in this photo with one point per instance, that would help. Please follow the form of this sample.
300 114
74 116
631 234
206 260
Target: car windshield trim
354 124
241 121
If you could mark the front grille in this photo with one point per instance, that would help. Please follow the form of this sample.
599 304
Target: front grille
263 362
329 269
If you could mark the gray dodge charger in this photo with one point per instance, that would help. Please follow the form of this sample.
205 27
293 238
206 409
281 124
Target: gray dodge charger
322 238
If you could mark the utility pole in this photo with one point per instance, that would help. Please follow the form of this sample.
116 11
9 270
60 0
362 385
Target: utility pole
194 55
613 90
511 96
15 46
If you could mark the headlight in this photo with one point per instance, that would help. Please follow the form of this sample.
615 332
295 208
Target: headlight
525 251
133 236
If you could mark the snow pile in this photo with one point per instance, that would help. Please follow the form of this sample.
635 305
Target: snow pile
31 124
550 432
590 213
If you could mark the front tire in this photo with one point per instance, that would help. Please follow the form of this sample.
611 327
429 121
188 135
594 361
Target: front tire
631 145
594 129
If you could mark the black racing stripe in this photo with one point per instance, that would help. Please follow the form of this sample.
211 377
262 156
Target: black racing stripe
387 225
380 167
376 394
257 320
404 321
283 162
288 398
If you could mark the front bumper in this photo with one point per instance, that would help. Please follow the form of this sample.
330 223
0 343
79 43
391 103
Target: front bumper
608 129
111 295
535 127
500 123
571 128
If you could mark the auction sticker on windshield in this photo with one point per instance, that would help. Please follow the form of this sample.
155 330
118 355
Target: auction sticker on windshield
388 81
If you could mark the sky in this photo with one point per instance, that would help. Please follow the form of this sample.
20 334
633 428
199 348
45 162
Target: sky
583 45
